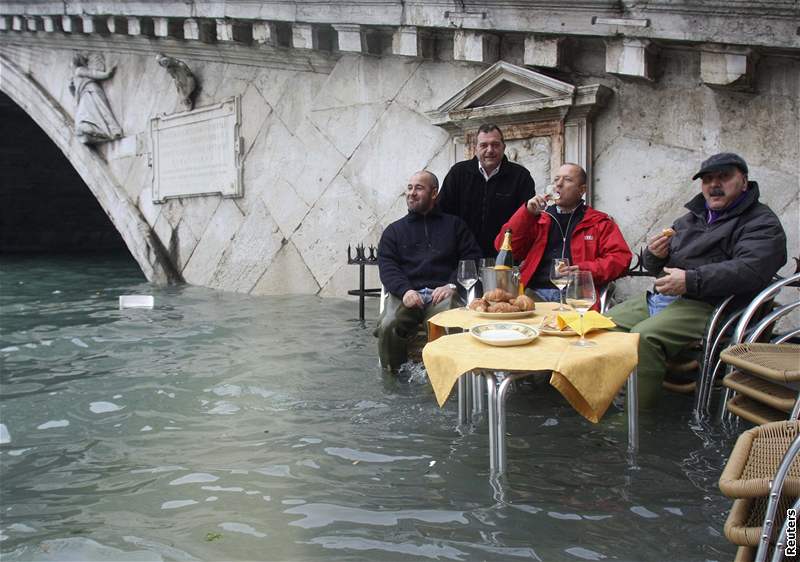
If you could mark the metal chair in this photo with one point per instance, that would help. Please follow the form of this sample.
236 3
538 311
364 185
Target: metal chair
745 333
760 466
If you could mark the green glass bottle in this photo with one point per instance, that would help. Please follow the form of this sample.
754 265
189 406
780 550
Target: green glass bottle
505 259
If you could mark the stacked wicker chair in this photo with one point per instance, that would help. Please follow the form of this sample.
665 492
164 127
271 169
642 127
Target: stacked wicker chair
762 379
765 378
748 479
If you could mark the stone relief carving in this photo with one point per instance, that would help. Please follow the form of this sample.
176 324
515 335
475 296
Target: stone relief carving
94 120
185 81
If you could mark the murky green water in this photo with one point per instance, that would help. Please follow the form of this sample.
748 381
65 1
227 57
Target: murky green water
226 427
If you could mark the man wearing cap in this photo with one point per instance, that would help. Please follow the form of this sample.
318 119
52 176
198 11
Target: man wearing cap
727 244
486 190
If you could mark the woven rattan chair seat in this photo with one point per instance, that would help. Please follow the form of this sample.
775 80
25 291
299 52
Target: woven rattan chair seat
779 363
774 395
745 554
754 411
755 459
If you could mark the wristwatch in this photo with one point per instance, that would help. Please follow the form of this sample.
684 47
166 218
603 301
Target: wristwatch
452 286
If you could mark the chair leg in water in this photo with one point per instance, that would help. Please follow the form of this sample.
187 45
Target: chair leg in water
491 400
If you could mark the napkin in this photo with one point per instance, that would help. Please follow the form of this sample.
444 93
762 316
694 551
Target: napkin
592 320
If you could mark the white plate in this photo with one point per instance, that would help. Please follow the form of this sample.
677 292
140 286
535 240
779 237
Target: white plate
504 334
503 315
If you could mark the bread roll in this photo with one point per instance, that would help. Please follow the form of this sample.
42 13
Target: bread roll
479 305
502 307
497 295
524 303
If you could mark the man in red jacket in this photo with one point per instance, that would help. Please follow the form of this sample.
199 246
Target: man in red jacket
567 228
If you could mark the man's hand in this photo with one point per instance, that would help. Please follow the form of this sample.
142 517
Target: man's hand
411 299
441 293
536 205
673 283
659 245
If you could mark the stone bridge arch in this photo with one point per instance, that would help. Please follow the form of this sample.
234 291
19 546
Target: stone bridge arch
143 244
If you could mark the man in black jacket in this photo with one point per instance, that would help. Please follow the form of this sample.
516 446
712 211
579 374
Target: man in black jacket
486 190
417 260
727 244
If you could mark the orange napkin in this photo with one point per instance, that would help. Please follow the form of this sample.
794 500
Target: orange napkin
592 320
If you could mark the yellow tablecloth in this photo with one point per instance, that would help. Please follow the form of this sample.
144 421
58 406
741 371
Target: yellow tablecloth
588 377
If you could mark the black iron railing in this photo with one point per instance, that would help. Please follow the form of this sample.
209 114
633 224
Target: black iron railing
364 256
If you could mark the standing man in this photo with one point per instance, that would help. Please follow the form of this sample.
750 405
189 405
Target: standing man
727 244
486 190
568 228
418 257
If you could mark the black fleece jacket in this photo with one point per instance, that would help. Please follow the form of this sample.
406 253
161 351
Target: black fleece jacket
485 206
423 251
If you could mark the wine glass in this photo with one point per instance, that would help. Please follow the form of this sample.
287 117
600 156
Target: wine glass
550 194
467 276
559 276
581 296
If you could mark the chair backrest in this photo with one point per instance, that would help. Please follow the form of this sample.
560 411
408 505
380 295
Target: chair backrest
770 319
382 301
756 304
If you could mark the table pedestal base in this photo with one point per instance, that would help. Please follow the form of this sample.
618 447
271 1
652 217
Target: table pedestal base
470 403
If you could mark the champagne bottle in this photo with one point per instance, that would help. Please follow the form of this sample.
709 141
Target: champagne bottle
505 260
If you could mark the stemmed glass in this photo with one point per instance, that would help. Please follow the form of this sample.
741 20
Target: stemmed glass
581 296
559 276
550 194
467 276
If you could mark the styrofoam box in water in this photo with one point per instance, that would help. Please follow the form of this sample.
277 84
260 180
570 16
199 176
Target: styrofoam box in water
136 301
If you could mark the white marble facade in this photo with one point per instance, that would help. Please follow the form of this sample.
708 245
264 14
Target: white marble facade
327 152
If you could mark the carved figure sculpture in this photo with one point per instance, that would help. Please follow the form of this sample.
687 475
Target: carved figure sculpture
184 79
94 120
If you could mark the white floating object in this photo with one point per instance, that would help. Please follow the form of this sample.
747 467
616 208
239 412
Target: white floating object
135 301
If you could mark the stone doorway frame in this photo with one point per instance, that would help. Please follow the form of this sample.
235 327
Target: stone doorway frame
549 108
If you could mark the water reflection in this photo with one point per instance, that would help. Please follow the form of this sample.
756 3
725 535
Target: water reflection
216 424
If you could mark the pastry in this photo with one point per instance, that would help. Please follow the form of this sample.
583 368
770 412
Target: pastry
524 303
502 307
497 295
479 305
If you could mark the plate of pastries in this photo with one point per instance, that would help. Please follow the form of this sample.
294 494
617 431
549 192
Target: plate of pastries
499 303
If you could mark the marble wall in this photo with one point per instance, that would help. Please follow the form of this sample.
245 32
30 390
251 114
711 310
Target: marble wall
328 150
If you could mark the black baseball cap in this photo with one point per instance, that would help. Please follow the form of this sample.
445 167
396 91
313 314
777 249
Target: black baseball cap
720 162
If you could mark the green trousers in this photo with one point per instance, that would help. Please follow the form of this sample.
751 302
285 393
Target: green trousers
398 324
661 337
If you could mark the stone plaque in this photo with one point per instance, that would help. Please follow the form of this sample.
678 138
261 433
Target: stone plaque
197 152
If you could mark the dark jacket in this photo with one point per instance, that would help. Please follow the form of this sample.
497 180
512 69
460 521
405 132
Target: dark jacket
483 205
738 254
423 251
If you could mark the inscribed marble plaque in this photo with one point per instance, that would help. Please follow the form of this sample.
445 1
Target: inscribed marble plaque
197 152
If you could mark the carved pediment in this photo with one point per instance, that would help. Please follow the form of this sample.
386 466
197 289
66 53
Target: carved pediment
545 121
505 93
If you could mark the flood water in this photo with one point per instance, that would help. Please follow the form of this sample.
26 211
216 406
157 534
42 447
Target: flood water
219 426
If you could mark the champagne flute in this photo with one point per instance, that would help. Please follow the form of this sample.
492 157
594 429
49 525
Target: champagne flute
550 194
581 296
559 276
467 276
